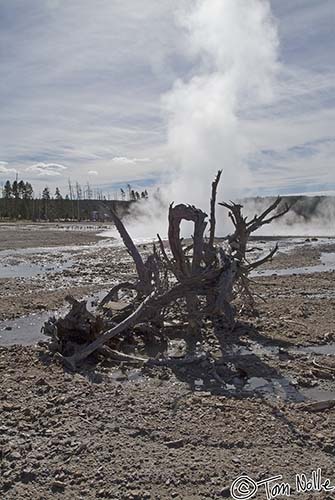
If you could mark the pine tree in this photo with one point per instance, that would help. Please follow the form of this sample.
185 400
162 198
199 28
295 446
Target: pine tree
46 193
15 189
28 191
7 190
21 187
58 195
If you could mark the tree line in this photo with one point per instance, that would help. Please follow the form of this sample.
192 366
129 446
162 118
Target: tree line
19 201
24 190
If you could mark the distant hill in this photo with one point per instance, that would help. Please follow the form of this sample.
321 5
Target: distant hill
306 207
308 214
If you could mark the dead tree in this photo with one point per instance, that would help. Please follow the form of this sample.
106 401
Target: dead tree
204 277
238 242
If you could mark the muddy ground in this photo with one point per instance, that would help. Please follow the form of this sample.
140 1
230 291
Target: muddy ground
164 433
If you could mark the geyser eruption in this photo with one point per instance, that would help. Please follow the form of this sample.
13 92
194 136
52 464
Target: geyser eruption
231 46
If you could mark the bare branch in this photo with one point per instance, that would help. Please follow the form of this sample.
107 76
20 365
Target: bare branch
212 220
258 263
140 267
112 295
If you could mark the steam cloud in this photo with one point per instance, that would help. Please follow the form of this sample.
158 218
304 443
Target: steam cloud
232 46
309 216
233 50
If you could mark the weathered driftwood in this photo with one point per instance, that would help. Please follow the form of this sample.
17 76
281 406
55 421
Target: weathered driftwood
146 271
84 352
142 271
79 326
203 277
107 352
113 294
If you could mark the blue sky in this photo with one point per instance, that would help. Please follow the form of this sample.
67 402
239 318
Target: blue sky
82 85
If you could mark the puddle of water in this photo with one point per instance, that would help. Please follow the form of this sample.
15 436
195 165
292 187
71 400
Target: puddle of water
327 264
29 270
326 350
255 348
280 388
30 262
134 375
316 394
27 329
273 350
23 331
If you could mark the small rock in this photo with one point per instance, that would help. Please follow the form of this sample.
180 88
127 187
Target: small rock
58 485
41 381
178 443
225 492
27 475
15 455
10 407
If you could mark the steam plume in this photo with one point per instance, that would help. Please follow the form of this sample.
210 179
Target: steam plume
233 45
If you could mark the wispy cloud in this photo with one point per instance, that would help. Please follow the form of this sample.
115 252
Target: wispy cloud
47 169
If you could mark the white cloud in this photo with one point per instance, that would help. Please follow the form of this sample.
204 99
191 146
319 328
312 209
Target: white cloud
100 91
123 160
47 169
4 169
